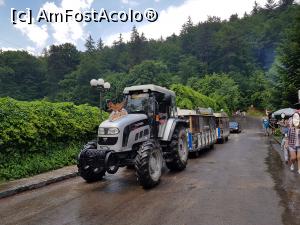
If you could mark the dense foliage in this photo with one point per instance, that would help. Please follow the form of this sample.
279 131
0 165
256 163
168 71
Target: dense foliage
187 98
288 66
40 130
256 55
219 87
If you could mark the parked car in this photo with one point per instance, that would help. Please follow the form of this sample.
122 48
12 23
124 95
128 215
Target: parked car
234 127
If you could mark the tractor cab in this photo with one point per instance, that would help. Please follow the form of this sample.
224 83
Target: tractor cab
156 102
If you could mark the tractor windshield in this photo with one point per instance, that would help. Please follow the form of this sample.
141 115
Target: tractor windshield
137 103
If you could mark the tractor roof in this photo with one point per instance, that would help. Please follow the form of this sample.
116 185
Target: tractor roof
147 87
187 112
220 114
198 112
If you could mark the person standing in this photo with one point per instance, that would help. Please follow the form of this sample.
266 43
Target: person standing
297 145
284 130
294 146
266 125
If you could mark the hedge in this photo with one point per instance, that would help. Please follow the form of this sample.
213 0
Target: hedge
38 130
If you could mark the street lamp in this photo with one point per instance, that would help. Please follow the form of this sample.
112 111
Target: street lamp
102 86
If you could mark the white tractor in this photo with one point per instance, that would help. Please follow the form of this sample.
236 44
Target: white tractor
142 132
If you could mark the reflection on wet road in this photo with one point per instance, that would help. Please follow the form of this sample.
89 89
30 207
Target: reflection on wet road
232 184
287 185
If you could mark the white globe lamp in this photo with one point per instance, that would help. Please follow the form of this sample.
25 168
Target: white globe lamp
100 82
94 83
107 85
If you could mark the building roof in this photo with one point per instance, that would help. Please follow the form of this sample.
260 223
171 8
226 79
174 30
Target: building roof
148 87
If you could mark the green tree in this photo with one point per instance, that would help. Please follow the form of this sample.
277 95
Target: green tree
189 66
100 45
289 65
151 72
283 4
62 60
75 86
256 8
21 75
271 4
216 86
259 90
137 50
90 44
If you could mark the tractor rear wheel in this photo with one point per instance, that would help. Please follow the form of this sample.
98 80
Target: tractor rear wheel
148 164
179 150
86 163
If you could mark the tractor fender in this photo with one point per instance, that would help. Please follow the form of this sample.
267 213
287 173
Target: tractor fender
172 124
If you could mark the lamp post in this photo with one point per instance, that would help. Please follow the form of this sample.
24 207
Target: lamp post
102 86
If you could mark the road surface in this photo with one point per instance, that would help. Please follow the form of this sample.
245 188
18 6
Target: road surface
232 184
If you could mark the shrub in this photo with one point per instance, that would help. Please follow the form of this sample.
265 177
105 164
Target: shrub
32 133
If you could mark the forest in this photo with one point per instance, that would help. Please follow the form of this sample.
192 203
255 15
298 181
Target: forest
253 60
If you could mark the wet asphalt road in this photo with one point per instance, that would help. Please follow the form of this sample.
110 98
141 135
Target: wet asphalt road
232 184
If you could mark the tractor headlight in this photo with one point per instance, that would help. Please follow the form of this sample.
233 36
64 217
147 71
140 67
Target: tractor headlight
113 131
296 120
101 131
108 131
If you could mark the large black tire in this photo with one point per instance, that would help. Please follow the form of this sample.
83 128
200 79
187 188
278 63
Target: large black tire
88 157
179 150
130 167
148 164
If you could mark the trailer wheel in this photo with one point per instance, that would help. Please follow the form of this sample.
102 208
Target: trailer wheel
87 163
179 149
194 155
148 164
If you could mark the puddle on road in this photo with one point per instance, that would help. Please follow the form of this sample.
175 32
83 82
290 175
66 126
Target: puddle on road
286 185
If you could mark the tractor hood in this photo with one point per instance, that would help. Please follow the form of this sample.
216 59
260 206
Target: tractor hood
124 121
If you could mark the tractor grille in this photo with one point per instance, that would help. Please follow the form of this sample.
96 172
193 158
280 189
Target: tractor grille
107 140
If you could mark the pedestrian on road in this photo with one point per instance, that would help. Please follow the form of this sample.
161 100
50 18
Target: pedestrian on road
272 124
266 126
294 146
284 143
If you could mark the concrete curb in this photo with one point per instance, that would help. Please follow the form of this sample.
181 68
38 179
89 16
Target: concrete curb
276 145
34 185
278 142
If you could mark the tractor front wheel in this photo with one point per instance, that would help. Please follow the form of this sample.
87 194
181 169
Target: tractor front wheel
88 167
148 164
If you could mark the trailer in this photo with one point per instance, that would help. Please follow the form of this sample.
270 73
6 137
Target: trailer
202 126
222 127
